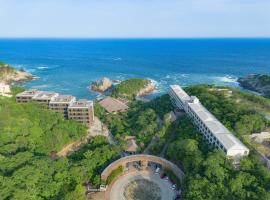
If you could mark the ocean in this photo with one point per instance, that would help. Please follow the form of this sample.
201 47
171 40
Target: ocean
68 66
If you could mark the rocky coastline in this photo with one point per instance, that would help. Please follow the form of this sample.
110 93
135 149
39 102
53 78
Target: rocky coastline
102 85
10 75
256 82
106 87
148 89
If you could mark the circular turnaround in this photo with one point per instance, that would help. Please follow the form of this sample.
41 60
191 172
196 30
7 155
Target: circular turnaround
142 189
142 177
141 185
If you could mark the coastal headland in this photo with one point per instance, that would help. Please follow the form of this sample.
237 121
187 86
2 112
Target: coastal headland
31 135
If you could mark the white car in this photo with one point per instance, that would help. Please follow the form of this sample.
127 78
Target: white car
174 186
166 178
157 170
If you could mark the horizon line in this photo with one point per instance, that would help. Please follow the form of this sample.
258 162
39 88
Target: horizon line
135 38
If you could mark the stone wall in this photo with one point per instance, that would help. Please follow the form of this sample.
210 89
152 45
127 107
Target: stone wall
144 159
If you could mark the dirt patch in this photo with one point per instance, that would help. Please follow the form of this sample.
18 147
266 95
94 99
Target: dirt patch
141 190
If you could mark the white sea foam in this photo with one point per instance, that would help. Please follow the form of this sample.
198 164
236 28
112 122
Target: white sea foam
42 67
24 67
226 79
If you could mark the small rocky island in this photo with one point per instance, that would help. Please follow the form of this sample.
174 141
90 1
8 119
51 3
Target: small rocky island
256 82
128 89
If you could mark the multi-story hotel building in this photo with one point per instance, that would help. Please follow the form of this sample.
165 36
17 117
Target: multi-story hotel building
44 98
26 96
82 111
61 103
213 130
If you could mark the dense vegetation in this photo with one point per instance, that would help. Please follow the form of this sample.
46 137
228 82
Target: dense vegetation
28 134
140 120
129 88
239 112
26 127
209 174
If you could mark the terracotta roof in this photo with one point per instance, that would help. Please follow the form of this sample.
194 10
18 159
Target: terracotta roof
113 105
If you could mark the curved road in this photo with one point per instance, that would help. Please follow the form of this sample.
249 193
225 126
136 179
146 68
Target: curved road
117 189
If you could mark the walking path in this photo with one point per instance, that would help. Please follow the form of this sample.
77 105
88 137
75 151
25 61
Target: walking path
96 129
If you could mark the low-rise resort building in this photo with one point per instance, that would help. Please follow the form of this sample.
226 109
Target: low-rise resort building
44 98
26 96
61 103
213 130
81 110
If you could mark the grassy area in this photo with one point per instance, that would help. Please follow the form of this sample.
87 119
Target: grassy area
128 89
115 173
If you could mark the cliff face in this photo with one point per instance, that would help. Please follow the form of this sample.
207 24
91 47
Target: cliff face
9 75
256 82
150 87
102 85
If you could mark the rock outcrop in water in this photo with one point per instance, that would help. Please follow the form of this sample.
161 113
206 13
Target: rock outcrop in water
9 75
102 85
256 82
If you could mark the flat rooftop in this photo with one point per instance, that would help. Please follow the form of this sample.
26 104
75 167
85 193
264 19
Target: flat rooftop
45 95
211 122
28 93
63 99
180 92
81 103
113 105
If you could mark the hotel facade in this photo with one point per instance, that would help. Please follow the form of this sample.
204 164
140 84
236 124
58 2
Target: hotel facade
81 111
61 103
26 96
212 129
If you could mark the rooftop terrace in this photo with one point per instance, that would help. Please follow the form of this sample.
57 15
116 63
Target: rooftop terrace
45 95
63 99
81 103
28 93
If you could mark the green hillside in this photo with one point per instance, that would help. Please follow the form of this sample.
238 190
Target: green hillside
28 135
128 89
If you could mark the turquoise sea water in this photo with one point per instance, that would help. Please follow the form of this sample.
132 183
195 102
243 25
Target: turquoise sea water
69 65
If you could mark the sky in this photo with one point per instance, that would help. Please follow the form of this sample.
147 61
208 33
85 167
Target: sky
134 18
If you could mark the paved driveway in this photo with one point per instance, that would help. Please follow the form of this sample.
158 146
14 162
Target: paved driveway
117 189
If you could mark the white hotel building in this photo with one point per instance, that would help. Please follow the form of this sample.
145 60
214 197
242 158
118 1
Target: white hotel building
212 129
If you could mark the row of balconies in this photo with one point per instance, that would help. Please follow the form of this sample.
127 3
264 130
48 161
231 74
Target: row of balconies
80 115
207 133
199 124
